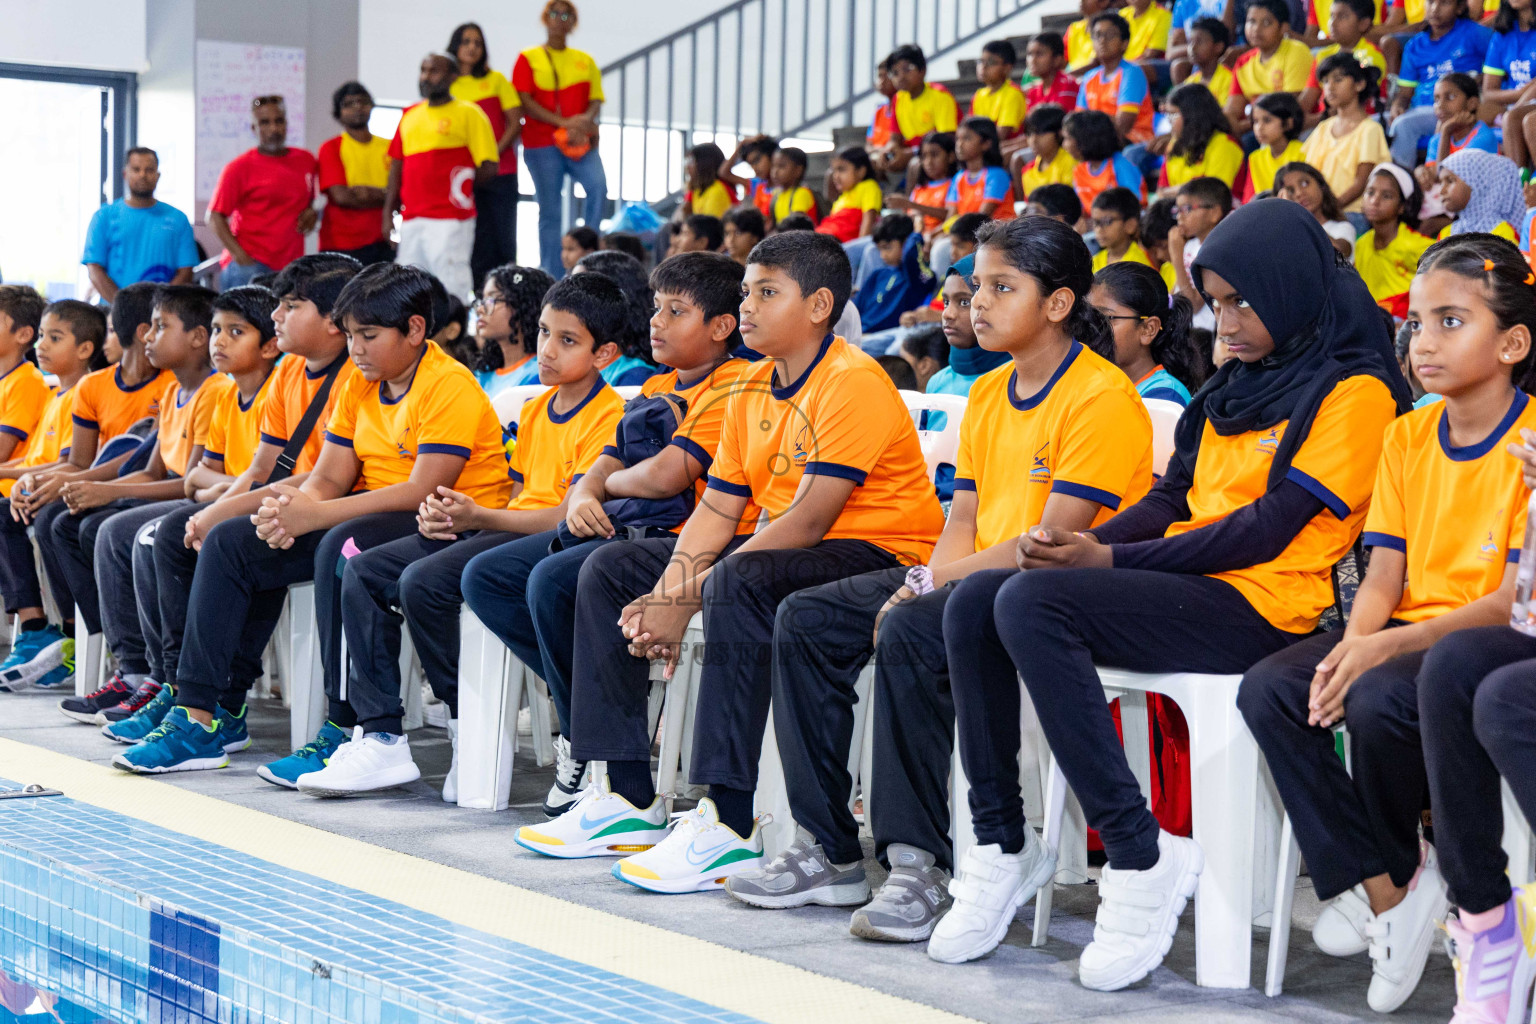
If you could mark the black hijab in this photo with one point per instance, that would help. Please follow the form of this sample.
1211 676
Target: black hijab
1325 325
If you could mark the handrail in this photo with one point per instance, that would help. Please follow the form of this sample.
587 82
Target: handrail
863 31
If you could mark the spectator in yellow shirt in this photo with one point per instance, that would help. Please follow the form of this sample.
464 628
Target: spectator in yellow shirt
999 100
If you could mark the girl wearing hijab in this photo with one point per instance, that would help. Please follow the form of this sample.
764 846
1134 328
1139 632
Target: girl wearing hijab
1267 489
1054 395
1482 191
1441 465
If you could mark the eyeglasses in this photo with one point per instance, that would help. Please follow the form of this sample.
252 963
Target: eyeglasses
1107 223
486 303
566 16
1184 208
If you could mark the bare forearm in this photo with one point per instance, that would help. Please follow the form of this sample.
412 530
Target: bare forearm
154 490
102 281
220 225
520 520
666 474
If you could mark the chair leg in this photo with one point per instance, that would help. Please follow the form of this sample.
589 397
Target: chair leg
490 683
307 701
772 796
1224 770
693 644
90 659
1285 892
542 712
1055 814
411 682
1518 843
1136 731
861 749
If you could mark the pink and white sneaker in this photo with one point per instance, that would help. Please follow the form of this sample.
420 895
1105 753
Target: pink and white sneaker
1495 968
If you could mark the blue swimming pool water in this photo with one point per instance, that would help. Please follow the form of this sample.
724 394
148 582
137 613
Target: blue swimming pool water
132 923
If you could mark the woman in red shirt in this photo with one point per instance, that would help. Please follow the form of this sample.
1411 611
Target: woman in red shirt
561 90
496 200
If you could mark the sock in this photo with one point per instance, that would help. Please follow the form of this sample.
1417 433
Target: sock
135 679
389 739
1483 922
734 807
34 625
1015 845
632 781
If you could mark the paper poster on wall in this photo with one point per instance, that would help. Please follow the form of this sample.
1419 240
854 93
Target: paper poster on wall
229 76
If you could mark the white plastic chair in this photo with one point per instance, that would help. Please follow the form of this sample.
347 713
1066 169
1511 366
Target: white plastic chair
1165 419
91 657
628 391
939 446
493 686
508 402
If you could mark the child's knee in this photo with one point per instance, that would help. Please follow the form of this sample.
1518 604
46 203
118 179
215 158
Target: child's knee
1502 706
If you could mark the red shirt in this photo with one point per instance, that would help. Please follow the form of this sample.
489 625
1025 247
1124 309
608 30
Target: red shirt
565 81
1062 92
263 196
345 161
882 127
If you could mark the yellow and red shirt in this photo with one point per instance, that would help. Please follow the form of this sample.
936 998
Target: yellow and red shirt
1085 434
1222 158
794 200
104 404
345 161
291 388
234 433
1335 463
184 419
1456 514
1058 171
1388 271
439 149
1134 253
932 110
494 95
1004 106
714 201
564 81
1287 70
443 412
554 450
842 418
1079 42
1262 165
1149 29
1220 84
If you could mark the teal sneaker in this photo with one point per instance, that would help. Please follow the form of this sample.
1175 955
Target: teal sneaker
233 731
178 745
310 758
36 655
141 723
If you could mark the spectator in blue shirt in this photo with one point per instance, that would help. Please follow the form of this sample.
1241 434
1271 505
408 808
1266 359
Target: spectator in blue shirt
1450 41
138 238
1507 74
901 284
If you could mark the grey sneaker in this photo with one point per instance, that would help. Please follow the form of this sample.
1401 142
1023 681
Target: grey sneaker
915 895
570 774
799 876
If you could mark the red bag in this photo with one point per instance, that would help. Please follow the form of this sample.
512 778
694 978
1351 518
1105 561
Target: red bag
1170 766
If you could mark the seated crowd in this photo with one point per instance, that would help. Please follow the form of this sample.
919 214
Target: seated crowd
334 425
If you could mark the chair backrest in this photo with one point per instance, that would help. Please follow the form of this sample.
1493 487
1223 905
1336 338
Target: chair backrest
1165 418
508 402
941 444
628 391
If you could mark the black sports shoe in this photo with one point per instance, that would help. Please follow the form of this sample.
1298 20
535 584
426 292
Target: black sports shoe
146 692
88 709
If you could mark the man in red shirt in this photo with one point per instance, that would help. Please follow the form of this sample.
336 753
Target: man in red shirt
261 208
354 170
443 148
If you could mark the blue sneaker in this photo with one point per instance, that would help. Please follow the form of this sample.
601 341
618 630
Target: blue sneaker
36 654
141 723
178 745
232 731
306 759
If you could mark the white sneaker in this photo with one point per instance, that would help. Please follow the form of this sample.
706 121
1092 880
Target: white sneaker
600 823
451 780
363 764
1340 928
1401 938
988 891
569 774
1138 914
697 855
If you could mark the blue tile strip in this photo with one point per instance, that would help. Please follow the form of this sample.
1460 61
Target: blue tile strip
207 933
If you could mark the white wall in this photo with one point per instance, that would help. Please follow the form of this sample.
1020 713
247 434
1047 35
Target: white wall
101 34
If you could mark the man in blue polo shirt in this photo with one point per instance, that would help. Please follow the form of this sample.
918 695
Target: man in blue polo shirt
138 238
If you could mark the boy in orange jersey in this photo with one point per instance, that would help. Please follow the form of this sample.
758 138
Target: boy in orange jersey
411 419
68 336
112 512
243 347
526 594
815 436
560 434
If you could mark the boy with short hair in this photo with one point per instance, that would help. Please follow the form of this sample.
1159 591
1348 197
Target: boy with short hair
559 435
962 234
789 195
756 152
112 512
1199 207
1117 87
243 347
290 430
999 100
901 283
819 439
398 432
920 106
1046 60
1058 202
1052 164
744 228
699 232
1116 221
30 437
1208 42
1156 222
526 593
1081 52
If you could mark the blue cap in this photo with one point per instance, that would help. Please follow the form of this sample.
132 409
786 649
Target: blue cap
963 267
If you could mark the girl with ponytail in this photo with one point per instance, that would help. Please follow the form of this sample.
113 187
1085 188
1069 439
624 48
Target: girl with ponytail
1151 332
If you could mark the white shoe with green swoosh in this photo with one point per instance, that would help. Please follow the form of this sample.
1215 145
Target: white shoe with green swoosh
698 854
601 823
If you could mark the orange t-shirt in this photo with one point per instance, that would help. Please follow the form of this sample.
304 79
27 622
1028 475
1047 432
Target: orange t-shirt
104 404
184 419
288 394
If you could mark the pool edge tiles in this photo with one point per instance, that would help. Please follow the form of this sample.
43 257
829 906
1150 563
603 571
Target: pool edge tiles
719 982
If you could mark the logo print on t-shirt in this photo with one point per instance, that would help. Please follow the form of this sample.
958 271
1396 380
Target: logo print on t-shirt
1488 550
461 184
1269 443
400 448
802 438
1040 470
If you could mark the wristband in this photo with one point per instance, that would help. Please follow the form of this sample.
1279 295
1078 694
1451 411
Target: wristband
920 580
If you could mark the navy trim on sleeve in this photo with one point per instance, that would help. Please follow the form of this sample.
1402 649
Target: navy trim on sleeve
81 421
964 483
1109 499
443 449
725 486
838 470
695 449
345 442
610 450
515 475
266 438
16 432
1332 502
1384 540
